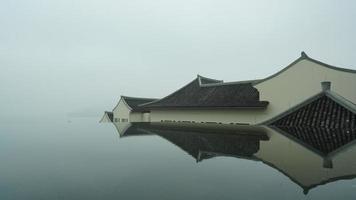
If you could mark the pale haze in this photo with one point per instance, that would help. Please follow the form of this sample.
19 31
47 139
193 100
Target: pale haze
62 57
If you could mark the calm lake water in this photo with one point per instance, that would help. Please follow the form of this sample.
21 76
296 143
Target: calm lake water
82 159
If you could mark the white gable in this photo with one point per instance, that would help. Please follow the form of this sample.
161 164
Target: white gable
301 81
121 112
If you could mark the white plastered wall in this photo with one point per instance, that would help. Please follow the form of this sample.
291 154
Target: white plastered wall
121 111
146 117
289 88
220 116
135 117
300 82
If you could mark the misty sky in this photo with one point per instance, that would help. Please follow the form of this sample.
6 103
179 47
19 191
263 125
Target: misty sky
71 56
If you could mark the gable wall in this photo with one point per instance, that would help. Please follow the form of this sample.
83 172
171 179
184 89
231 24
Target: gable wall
121 111
300 82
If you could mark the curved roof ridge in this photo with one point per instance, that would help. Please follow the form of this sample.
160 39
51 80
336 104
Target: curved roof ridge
231 83
203 80
144 98
304 56
331 66
209 79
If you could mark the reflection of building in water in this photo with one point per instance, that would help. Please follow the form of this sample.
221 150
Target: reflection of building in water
255 101
205 141
309 105
123 128
322 140
304 163
308 164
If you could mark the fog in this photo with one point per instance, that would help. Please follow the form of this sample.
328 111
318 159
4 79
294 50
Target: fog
65 57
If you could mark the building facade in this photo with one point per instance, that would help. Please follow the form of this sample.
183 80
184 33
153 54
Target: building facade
206 100
128 110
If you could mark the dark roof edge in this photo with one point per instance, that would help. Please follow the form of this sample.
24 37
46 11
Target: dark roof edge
341 100
304 56
343 148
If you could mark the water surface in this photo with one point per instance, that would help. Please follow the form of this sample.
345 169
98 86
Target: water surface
82 159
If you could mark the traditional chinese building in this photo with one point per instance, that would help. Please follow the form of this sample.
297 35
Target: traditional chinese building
305 86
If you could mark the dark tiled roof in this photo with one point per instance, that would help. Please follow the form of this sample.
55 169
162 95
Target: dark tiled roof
134 102
322 139
204 80
326 122
205 93
321 112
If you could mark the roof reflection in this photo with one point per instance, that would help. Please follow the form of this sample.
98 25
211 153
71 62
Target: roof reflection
308 156
323 140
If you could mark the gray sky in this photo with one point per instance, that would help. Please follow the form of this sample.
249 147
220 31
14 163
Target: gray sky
63 56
